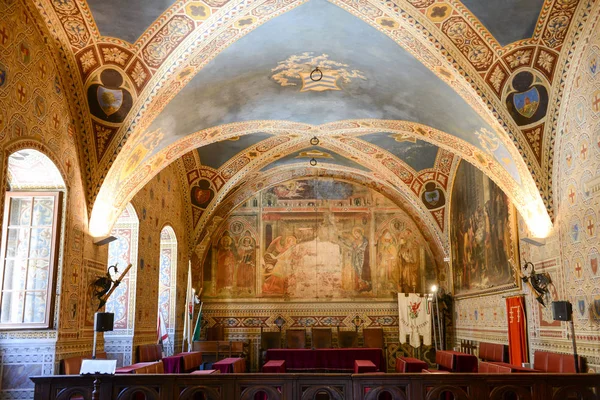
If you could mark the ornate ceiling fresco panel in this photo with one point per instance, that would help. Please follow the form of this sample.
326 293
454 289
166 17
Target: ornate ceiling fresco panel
512 88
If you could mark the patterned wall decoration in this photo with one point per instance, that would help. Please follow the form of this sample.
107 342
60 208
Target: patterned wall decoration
118 343
569 254
161 202
167 283
35 114
483 235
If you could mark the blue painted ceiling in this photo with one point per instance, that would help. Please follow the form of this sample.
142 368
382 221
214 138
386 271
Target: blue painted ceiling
238 85
507 20
303 157
420 155
216 154
126 19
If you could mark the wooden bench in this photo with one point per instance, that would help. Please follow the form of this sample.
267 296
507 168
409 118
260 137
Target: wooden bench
152 367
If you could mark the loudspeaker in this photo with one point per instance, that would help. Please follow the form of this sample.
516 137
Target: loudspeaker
562 311
104 321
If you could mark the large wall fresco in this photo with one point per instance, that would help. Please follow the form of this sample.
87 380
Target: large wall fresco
483 234
321 239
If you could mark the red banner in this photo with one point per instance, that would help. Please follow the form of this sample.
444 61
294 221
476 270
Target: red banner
517 330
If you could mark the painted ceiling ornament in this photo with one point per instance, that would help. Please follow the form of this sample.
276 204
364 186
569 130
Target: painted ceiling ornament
314 154
298 69
202 194
528 101
404 137
108 99
433 197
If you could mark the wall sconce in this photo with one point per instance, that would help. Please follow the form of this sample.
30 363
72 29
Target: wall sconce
102 240
279 321
357 321
537 281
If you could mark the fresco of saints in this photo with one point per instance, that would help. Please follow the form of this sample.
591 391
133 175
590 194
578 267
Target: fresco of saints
245 269
409 264
387 261
225 263
274 274
358 246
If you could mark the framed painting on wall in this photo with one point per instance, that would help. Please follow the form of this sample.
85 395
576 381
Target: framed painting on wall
483 235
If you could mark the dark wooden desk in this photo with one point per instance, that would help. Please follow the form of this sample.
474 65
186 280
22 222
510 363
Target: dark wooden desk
326 359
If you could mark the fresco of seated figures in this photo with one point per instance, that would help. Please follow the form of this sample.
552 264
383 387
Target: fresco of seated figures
323 239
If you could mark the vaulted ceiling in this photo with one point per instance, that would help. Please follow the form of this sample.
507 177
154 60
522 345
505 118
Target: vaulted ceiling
403 91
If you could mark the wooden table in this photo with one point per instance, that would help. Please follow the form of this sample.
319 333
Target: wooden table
326 359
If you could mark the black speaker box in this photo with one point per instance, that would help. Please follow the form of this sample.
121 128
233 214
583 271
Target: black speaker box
104 321
562 310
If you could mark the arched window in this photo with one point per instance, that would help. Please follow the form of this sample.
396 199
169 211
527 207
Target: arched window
30 245
118 344
167 284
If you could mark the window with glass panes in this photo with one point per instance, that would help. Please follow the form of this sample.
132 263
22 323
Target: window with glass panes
28 251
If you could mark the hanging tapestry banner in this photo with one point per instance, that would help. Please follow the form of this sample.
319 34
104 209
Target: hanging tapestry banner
414 319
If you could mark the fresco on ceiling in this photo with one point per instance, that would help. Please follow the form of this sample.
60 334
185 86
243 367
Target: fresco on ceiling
320 154
317 239
201 194
418 154
527 101
109 98
238 84
216 154
314 72
483 234
507 20
433 196
126 20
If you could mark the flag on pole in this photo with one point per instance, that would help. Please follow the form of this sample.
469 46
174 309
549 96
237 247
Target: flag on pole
189 311
161 330
198 326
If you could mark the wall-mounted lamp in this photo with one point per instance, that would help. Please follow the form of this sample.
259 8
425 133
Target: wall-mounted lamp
357 321
534 241
279 321
102 240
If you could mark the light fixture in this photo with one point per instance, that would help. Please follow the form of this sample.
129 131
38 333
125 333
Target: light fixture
357 321
316 75
434 288
534 241
102 240
279 321
537 281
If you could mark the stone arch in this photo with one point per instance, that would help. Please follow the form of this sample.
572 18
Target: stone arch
138 164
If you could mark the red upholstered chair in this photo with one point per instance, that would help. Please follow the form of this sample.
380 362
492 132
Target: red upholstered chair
558 363
149 352
295 338
444 360
268 340
493 352
216 332
321 338
347 339
373 338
